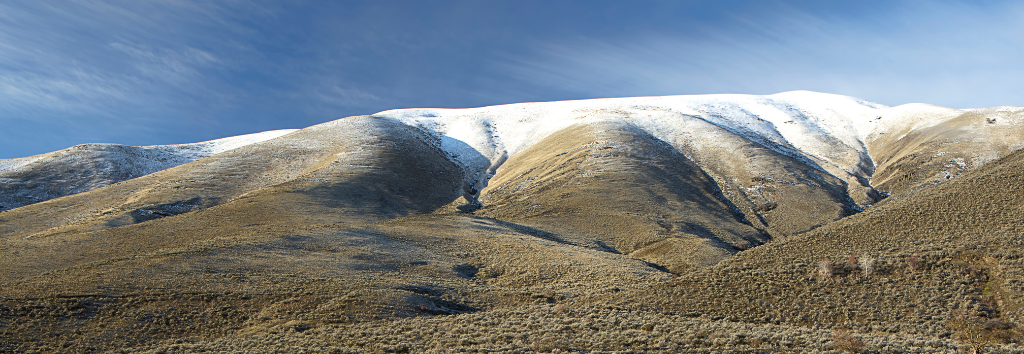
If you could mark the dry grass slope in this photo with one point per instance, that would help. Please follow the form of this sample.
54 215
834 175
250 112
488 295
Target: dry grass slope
343 238
953 247
612 186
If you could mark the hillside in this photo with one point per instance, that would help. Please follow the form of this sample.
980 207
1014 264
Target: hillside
953 247
85 167
947 250
677 223
946 144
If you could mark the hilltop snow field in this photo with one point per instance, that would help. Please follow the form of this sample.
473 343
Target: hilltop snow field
85 167
194 151
173 155
827 132
827 129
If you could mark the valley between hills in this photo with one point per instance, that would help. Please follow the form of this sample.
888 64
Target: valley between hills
794 222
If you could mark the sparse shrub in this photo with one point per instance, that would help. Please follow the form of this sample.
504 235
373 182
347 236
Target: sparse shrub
867 264
914 262
825 269
977 332
549 293
977 272
550 344
851 262
843 339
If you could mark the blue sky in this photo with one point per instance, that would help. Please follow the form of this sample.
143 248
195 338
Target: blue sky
176 71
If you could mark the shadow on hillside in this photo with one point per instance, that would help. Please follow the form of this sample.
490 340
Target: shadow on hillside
523 229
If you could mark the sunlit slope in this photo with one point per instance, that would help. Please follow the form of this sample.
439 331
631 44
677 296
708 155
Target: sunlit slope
204 183
230 279
953 246
255 282
85 167
350 234
912 159
361 170
613 185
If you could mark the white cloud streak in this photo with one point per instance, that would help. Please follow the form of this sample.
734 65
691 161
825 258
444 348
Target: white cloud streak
121 59
175 66
115 59
951 54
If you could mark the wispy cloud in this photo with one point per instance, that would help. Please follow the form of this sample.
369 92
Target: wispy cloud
174 71
348 96
948 53
70 90
167 64
115 59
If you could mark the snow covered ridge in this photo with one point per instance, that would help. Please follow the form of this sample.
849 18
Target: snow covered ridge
176 154
195 151
826 132
830 130
85 167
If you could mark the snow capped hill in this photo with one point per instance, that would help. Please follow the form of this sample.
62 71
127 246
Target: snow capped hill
826 130
86 167
781 120
171 155
749 144
647 206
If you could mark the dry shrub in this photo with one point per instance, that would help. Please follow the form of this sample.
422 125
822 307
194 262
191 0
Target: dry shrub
825 269
977 332
843 339
914 262
977 272
867 264
550 344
